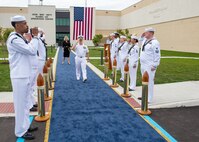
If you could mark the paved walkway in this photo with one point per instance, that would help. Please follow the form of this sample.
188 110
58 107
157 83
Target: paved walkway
92 111
166 95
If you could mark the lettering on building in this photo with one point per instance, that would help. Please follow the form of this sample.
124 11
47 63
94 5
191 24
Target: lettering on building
36 16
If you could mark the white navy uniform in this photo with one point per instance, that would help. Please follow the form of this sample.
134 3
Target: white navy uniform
133 56
122 54
150 57
42 55
80 60
20 71
34 72
114 50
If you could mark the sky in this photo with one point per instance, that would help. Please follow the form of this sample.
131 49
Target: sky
99 4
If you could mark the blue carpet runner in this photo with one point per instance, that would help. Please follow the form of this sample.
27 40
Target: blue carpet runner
93 112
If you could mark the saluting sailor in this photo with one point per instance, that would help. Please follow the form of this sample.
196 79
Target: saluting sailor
20 53
35 67
82 52
114 47
133 56
122 54
150 58
41 50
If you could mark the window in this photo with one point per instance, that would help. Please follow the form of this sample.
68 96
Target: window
62 21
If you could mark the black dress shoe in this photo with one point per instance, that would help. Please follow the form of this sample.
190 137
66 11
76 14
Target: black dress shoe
28 136
35 105
33 109
139 98
131 89
84 80
31 129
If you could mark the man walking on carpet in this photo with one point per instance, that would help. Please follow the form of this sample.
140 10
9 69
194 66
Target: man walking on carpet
82 53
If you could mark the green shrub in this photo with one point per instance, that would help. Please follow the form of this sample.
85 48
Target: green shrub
97 39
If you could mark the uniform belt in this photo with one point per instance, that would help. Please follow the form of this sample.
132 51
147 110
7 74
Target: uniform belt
80 56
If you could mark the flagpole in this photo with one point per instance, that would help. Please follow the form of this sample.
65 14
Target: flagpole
85 3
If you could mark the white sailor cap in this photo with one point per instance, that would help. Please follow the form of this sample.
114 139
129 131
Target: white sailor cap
80 37
122 36
134 37
150 29
116 33
112 34
18 18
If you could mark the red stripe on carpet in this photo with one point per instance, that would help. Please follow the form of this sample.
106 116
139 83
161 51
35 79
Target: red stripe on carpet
133 102
9 107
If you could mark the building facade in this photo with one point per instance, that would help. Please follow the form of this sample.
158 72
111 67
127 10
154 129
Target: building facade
176 22
62 25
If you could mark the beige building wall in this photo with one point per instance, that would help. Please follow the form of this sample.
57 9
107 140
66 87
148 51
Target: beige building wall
43 17
159 11
36 15
107 21
181 35
176 22
7 12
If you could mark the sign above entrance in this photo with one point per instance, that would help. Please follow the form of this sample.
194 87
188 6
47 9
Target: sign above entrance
39 16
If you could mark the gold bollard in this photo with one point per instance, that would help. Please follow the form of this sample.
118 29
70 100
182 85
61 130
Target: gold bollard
42 116
144 107
126 93
49 76
114 83
106 65
45 77
51 68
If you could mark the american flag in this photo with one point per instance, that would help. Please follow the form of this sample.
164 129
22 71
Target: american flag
83 22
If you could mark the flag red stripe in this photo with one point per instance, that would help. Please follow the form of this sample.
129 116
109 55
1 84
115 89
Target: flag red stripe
88 23
91 23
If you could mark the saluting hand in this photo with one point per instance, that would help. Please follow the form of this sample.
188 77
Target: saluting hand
28 37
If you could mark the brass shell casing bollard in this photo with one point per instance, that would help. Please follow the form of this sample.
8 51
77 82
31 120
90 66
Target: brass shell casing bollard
42 116
144 107
106 65
114 83
126 93
49 76
45 77
51 68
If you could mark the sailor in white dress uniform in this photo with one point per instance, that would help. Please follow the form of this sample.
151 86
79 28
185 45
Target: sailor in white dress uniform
150 58
122 54
114 47
133 56
20 53
82 52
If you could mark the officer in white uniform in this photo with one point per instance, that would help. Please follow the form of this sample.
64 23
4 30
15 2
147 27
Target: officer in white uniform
122 54
35 68
133 56
42 49
41 52
150 58
20 52
117 36
82 52
114 47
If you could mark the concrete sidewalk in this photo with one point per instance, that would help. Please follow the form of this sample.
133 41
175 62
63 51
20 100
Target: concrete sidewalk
173 94
166 95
